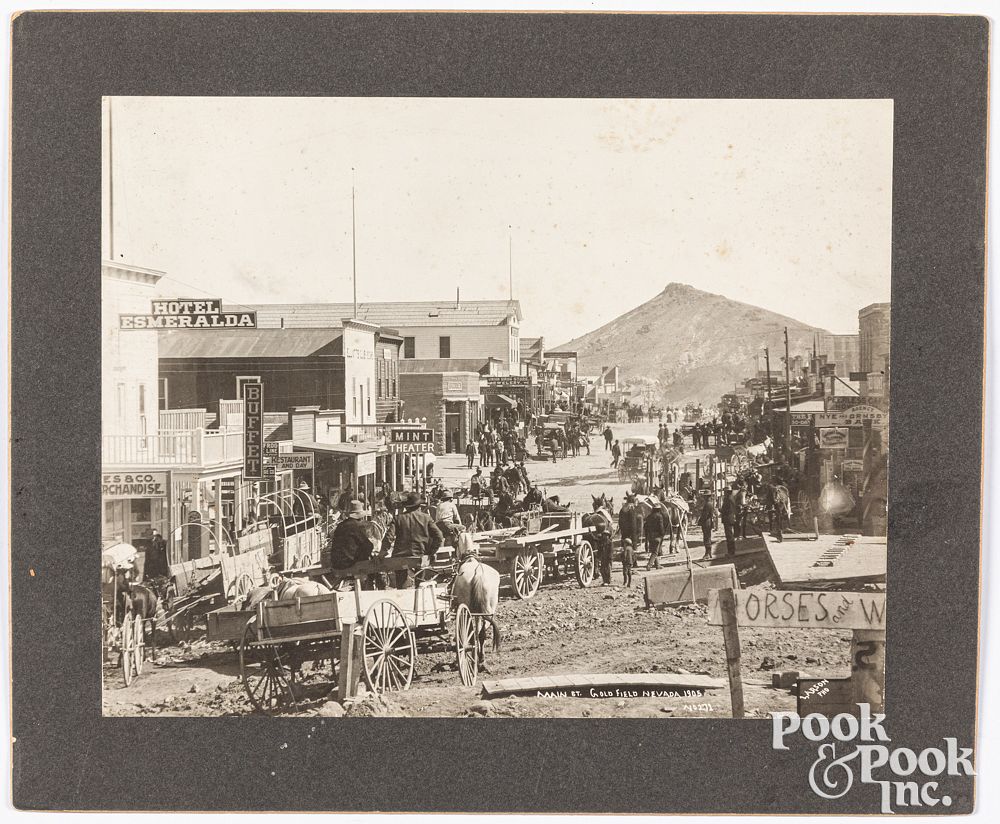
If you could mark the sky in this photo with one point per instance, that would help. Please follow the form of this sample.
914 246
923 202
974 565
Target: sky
589 207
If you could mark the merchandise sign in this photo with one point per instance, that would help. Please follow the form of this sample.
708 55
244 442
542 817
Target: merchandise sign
118 485
253 423
833 437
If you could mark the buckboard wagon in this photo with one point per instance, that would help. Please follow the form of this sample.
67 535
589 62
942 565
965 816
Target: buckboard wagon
277 637
553 543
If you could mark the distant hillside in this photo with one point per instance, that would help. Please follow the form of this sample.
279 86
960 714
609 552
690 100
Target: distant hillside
696 344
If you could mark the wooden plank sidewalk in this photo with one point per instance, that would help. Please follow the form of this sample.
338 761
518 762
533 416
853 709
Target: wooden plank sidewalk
832 559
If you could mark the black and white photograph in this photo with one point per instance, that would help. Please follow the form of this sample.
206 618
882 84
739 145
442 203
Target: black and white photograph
524 408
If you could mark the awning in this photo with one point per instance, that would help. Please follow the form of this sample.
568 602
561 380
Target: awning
341 450
499 399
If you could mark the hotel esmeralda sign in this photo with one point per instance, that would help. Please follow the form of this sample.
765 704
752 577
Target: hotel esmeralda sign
188 313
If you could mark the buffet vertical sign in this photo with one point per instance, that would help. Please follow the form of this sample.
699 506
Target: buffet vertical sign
253 420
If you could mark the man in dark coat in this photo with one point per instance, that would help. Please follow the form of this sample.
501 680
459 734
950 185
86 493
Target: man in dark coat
654 528
470 453
608 438
728 515
156 565
350 543
616 454
414 535
602 549
708 519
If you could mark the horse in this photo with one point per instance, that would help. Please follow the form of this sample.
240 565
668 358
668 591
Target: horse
603 507
478 587
630 522
676 511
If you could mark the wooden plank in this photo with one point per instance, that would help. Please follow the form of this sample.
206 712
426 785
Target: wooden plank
731 639
801 563
803 609
347 676
673 586
545 537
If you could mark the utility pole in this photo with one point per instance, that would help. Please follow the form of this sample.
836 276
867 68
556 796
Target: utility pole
767 364
354 249
510 263
788 401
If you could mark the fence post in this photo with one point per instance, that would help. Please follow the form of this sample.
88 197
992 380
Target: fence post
347 676
731 638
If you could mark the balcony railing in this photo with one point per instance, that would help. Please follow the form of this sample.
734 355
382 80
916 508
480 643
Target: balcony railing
173 420
188 448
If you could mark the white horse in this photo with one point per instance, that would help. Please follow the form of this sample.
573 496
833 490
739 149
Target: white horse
478 587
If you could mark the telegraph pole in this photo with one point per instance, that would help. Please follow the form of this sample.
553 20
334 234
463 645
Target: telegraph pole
767 364
354 249
788 401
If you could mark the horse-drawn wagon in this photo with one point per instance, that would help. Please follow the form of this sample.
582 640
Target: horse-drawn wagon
123 631
554 541
284 631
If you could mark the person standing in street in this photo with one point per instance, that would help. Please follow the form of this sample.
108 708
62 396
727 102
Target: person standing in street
470 453
728 516
628 559
608 437
602 549
708 520
616 454
655 529
740 500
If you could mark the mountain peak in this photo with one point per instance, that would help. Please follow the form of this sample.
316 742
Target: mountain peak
695 344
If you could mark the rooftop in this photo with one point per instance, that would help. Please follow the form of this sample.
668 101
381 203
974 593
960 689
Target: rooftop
249 343
396 315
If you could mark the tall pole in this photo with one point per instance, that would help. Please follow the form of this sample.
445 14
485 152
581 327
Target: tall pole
354 249
788 401
767 364
510 263
111 188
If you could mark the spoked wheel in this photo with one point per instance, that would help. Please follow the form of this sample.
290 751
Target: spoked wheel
388 648
585 564
526 574
466 645
139 643
241 588
267 683
128 648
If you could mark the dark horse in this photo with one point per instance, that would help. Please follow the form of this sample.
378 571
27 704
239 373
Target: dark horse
141 600
603 507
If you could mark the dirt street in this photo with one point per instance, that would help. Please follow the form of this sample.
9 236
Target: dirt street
562 630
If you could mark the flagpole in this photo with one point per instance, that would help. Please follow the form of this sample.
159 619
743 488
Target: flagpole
354 249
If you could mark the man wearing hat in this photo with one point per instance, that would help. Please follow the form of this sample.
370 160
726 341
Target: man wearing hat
350 543
708 520
602 549
729 512
446 516
414 535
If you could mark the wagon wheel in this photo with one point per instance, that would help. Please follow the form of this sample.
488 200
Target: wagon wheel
622 473
266 681
128 648
467 645
584 564
139 643
388 648
241 588
526 573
